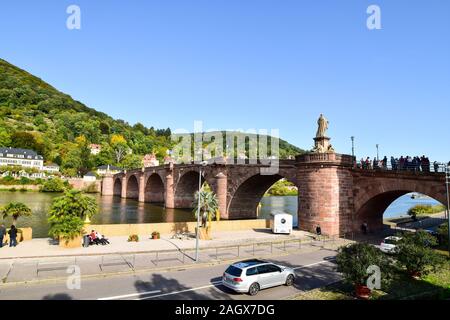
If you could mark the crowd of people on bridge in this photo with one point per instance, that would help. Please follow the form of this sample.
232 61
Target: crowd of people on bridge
404 163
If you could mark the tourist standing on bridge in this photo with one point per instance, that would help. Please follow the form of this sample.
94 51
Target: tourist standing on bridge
436 166
384 163
393 163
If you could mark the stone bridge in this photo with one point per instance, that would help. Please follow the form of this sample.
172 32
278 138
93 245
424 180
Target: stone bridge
332 193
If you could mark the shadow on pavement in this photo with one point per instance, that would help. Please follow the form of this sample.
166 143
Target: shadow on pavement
172 289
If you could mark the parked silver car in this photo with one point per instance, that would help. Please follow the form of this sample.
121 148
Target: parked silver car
389 244
250 276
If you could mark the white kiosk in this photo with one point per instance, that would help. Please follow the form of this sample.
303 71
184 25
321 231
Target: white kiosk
281 222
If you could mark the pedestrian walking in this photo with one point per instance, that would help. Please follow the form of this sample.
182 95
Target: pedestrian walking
364 227
2 234
318 230
12 236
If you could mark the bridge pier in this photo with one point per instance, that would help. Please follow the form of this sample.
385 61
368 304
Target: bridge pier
169 194
141 197
123 193
325 192
108 185
221 192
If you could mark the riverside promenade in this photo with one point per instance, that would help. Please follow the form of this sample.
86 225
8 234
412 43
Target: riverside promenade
39 260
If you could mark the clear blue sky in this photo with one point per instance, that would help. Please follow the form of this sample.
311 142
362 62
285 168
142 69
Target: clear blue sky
242 64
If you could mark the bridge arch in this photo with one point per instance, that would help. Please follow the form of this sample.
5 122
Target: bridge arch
154 189
186 187
248 194
375 196
132 187
117 188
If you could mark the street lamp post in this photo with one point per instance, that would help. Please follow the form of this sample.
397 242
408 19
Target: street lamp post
447 182
353 148
378 155
203 164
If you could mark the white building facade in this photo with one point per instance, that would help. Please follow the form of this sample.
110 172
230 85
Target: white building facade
21 157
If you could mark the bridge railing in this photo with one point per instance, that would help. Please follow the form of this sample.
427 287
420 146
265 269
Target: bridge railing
406 167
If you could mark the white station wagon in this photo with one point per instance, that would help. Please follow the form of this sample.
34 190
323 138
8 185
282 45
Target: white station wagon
389 244
250 276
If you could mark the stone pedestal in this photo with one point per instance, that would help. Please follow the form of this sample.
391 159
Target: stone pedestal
322 144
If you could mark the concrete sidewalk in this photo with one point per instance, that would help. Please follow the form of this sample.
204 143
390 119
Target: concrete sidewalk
46 248
149 255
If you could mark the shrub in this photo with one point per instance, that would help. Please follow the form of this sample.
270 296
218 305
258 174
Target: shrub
156 234
133 238
353 261
91 188
13 189
8 179
443 235
422 209
53 185
414 253
24 180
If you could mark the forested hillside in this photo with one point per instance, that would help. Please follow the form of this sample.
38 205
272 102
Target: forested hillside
36 116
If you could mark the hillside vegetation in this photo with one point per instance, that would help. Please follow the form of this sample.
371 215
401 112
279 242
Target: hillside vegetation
35 115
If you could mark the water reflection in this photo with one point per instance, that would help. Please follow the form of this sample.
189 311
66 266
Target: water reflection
115 210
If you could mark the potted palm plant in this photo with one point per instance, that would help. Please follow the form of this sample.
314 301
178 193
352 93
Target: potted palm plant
17 210
66 217
209 206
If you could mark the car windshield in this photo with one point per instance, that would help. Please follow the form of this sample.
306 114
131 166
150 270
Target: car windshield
232 270
390 241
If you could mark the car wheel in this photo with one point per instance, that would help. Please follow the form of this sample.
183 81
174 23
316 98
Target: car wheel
254 289
290 280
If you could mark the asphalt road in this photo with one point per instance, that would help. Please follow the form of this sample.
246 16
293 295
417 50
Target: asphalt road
313 270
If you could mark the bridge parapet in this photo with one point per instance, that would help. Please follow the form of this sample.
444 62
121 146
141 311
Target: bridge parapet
326 158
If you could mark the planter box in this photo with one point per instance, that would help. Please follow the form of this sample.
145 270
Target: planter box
204 234
71 243
25 235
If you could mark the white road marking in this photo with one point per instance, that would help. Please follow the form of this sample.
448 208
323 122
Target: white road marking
213 284
182 291
129 295
310 265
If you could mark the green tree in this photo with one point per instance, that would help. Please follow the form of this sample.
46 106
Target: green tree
414 252
15 210
132 161
119 146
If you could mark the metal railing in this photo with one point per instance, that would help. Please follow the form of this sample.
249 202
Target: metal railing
407 167
178 257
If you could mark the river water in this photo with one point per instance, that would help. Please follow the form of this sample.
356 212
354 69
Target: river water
114 210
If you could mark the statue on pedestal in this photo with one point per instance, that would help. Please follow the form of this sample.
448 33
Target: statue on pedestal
322 126
322 142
